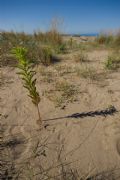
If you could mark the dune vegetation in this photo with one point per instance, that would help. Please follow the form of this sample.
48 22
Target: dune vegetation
71 128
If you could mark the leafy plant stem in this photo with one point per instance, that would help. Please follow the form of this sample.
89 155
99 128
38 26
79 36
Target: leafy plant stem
40 120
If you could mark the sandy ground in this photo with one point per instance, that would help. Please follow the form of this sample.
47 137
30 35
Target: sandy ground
87 145
80 38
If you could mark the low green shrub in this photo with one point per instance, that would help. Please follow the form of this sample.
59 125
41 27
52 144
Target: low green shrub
113 62
101 39
46 56
52 37
61 48
112 40
117 40
105 39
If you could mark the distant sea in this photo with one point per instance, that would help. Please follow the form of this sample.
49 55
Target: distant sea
89 34
84 34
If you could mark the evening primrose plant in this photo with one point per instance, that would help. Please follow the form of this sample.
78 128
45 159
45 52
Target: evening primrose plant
27 75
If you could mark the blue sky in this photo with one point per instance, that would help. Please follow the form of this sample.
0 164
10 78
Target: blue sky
80 16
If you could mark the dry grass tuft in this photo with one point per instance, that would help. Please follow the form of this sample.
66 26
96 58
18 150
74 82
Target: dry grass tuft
81 57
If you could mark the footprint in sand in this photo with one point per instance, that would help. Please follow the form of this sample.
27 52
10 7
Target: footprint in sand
18 142
112 134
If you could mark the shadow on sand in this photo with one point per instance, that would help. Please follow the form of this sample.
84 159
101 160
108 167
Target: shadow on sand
108 111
